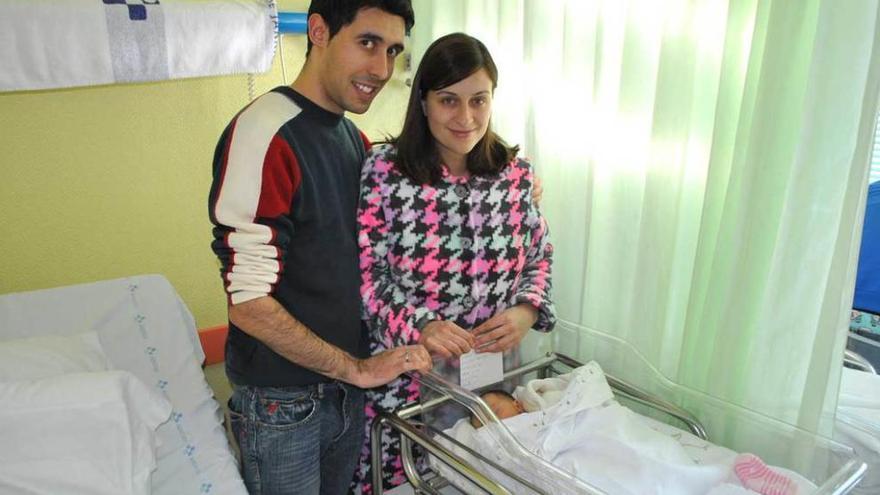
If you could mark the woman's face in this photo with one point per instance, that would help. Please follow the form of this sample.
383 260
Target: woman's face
458 116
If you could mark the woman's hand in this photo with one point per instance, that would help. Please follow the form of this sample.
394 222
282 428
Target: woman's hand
446 339
505 330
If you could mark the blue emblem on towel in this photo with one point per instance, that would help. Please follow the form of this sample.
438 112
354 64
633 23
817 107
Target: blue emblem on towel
137 40
136 11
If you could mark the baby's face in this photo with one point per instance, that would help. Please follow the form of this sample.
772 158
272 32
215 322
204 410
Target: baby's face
504 407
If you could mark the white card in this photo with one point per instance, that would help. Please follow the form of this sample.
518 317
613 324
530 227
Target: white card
481 369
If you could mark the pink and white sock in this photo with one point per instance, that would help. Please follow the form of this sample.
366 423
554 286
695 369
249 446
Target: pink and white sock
756 476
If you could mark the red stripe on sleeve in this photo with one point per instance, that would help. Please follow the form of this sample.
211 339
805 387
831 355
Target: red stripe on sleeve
281 179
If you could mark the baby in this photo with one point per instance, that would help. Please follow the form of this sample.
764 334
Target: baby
752 472
501 403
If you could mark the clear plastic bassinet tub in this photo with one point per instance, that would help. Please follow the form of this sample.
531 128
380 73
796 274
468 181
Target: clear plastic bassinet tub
444 453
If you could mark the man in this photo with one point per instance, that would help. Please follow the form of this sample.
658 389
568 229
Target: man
283 202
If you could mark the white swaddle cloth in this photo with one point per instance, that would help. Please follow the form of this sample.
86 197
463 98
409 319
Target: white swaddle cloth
542 393
590 390
577 425
583 430
47 44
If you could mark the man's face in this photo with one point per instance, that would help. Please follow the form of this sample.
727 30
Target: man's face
359 60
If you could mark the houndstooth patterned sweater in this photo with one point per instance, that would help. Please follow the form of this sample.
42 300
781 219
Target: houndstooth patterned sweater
461 250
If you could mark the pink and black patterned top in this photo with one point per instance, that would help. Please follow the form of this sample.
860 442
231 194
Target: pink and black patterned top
461 250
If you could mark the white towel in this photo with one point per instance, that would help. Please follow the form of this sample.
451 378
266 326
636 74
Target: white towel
47 44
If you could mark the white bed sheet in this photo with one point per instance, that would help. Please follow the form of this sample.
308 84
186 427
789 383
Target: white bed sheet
144 328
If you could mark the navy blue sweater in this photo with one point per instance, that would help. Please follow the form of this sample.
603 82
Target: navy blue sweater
283 203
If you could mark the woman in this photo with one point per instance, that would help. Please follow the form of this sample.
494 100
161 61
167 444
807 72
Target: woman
454 254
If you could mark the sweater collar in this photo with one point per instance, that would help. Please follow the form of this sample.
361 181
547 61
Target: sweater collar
320 114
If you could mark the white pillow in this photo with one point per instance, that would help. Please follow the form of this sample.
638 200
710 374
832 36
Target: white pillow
41 357
82 433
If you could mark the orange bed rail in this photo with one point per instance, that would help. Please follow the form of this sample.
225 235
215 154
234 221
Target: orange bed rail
214 343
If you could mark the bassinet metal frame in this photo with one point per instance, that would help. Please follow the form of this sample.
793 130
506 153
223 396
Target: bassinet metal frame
401 421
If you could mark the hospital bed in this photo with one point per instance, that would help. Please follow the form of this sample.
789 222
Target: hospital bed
857 422
827 466
145 329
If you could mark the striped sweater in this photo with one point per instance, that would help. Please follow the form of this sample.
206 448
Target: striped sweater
283 205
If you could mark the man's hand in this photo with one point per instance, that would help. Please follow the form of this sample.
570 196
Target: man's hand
537 190
266 320
446 339
388 365
505 330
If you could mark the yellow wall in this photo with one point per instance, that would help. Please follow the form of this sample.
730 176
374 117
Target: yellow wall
105 182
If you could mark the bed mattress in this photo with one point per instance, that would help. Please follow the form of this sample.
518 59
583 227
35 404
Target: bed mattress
144 328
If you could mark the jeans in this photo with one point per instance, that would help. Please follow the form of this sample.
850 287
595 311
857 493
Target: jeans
298 440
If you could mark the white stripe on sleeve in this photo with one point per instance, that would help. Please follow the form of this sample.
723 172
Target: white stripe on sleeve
255 263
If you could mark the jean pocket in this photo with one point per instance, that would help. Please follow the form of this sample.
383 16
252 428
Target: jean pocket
236 420
286 413
351 409
236 417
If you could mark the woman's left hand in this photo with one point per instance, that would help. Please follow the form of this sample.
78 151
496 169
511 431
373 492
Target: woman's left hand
506 329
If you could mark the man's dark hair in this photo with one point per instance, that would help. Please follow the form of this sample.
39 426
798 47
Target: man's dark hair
447 61
340 13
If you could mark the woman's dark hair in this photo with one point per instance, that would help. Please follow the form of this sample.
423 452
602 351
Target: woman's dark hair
447 61
340 13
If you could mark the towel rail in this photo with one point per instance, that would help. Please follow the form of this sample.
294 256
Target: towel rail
292 22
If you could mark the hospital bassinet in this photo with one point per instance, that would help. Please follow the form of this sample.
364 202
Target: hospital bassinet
831 467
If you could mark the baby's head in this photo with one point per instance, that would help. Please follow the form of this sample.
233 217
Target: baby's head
501 403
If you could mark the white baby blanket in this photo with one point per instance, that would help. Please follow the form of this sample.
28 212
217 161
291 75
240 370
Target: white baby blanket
580 428
47 44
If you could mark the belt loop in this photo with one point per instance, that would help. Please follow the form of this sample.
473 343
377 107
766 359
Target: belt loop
320 391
